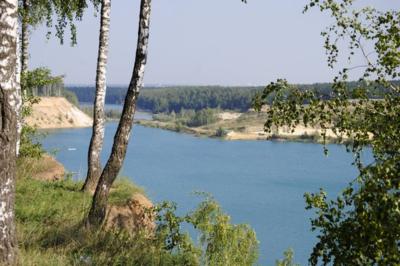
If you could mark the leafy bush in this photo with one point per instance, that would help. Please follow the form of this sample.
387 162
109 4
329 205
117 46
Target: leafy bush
221 132
189 118
202 117
30 146
40 82
34 82
361 226
223 243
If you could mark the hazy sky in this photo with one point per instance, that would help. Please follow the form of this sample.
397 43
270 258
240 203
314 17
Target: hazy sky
202 42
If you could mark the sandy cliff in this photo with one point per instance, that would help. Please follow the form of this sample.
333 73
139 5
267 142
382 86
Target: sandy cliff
57 112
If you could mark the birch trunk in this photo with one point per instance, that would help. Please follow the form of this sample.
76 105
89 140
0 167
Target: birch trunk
18 97
9 86
25 37
96 142
97 212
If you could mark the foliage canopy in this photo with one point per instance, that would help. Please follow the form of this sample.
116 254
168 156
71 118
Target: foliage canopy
362 225
37 12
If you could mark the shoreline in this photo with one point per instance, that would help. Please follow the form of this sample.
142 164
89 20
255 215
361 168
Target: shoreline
301 134
55 113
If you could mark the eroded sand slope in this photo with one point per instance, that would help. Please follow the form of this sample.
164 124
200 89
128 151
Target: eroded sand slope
57 112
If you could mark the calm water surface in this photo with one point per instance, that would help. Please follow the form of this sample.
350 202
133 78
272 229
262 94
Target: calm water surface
257 182
143 115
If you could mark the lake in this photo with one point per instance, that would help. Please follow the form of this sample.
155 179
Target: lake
261 183
142 115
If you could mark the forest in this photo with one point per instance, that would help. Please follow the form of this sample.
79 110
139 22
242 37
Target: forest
171 98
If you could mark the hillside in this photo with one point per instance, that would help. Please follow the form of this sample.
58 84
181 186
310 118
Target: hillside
57 112
50 211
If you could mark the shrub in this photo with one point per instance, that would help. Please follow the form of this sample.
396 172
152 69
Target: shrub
30 146
221 132
223 243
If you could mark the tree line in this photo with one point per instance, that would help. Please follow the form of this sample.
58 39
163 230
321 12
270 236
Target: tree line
168 99
40 82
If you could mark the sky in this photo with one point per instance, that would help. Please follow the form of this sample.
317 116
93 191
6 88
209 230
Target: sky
199 42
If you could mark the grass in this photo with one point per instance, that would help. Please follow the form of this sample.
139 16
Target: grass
45 214
29 167
50 217
50 229
122 190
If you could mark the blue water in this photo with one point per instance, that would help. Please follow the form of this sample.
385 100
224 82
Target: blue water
142 115
257 182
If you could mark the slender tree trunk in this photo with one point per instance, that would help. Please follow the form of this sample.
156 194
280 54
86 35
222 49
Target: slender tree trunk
96 142
22 66
9 85
98 210
18 105
25 37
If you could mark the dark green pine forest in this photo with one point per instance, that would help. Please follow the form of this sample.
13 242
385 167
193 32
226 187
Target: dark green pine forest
176 98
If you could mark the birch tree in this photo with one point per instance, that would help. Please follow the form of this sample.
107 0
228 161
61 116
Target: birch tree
9 86
96 142
24 36
19 99
97 212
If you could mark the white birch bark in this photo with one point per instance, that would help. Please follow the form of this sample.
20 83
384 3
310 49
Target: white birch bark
18 96
98 210
25 37
9 87
96 142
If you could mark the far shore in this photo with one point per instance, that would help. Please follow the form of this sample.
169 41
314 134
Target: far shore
58 113
246 126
